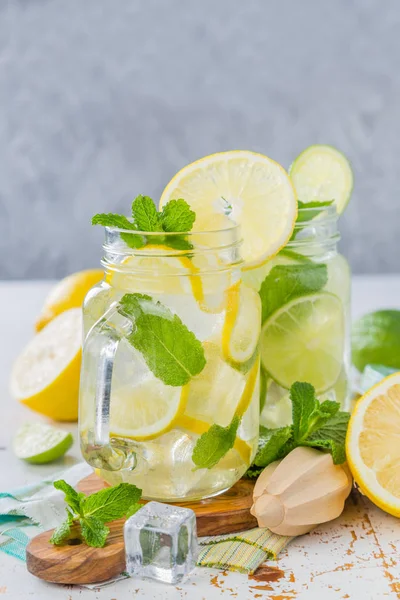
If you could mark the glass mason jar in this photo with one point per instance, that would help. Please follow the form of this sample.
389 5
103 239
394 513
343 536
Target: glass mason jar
305 292
171 349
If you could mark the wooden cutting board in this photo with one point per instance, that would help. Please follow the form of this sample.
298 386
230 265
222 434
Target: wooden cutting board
77 563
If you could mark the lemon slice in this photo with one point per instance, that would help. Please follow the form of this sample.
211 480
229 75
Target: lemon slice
322 173
147 410
217 394
68 293
304 341
213 395
251 189
372 444
242 322
45 377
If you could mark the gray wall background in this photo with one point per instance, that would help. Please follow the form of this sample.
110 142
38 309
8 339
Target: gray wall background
105 99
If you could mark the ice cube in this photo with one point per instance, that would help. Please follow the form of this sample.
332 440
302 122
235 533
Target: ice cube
161 542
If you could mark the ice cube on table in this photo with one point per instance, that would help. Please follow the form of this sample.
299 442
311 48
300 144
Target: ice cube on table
161 542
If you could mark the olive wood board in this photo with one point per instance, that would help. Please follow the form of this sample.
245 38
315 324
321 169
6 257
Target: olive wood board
77 563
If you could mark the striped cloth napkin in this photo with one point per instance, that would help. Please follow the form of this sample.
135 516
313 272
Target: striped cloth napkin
27 511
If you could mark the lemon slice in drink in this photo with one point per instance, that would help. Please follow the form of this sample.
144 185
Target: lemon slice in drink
372 444
322 173
251 189
38 443
241 325
147 410
45 377
217 394
304 341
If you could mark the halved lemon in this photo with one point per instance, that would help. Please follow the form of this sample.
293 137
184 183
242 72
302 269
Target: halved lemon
240 332
304 341
251 189
372 444
45 377
147 410
68 293
321 172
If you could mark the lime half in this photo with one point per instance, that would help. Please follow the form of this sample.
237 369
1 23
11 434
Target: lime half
304 341
38 443
322 173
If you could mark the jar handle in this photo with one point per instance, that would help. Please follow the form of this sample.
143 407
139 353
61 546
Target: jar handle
99 352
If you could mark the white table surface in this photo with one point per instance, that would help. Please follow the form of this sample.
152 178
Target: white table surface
354 556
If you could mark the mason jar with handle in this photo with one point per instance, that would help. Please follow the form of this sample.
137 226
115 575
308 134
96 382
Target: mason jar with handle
169 396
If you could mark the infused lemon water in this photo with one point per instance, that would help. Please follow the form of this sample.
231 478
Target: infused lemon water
174 336
170 385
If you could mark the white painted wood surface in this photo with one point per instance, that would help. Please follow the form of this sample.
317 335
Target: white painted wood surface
355 556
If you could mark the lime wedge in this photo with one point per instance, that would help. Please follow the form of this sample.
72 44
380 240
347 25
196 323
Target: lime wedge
304 341
38 443
322 173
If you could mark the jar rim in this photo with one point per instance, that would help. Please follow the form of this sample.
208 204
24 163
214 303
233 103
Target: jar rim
233 228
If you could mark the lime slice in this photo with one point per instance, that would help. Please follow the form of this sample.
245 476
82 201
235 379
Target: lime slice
241 325
322 173
304 341
251 189
147 410
38 443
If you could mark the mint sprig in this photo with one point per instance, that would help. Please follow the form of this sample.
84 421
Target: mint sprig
214 444
287 282
315 424
91 513
176 217
171 351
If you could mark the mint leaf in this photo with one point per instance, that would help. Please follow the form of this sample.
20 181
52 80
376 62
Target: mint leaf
287 282
304 404
307 413
113 220
332 436
171 351
375 339
94 532
145 214
61 533
72 498
311 214
214 444
133 509
121 222
111 503
178 242
270 445
177 216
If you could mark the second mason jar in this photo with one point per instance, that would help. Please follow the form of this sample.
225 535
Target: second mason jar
305 294
169 394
